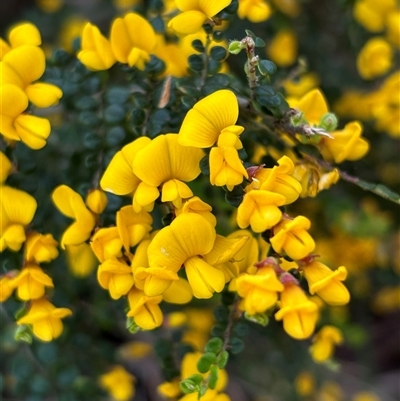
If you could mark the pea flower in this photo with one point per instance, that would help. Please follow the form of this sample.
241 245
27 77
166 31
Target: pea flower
260 210
145 309
298 313
375 58
106 243
132 39
45 319
96 53
254 10
189 241
195 14
373 15
277 179
71 204
327 283
22 34
259 291
6 285
31 282
196 205
323 343
119 383
16 126
17 209
116 277
23 66
291 237
226 168
248 254
119 178
80 259
164 163
41 248
283 48
96 201
346 144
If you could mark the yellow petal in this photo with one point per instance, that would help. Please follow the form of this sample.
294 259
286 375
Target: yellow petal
12 237
164 159
188 22
130 32
44 95
313 105
17 206
13 101
144 197
28 62
174 191
179 292
25 34
208 117
33 130
119 178
80 259
204 278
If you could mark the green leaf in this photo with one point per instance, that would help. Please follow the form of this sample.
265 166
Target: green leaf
213 377
214 345
188 386
196 378
196 63
222 359
378 189
218 36
23 333
137 117
91 140
240 329
197 45
250 33
236 345
235 197
218 330
205 362
114 114
117 95
259 42
266 67
218 53
221 313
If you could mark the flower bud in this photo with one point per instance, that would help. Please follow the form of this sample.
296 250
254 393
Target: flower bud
328 122
235 47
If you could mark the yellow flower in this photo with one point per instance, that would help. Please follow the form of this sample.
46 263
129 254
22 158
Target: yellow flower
308 175
278 179
208 118
312 104
372 14
22 34
80 259
260 210
132 227
249 254
71 204
291 237
328 179
23 66
392 28
302 85
31 282
132 39
346 144
45 319
259 291
188 241
119 178
17 209
164 162
96 201
298 313
96 53
41 248
375 58
196 205
324 342
194 14
116 277
254 10
226 168
106 243
145 309
305 384
292 8
71 29
14 125
119 383
327 283
49 6
5 167
283 48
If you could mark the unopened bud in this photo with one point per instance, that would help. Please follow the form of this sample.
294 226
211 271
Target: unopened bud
328 122
235 47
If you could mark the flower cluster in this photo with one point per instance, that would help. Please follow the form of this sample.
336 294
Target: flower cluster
22 64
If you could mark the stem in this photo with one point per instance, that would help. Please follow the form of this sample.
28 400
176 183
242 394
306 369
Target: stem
251 64
206 59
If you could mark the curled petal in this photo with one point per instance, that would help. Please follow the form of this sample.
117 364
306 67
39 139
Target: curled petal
188 22
25 34
33 130
43 94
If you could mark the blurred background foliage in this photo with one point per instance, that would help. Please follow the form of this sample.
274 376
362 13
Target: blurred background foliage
352 227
